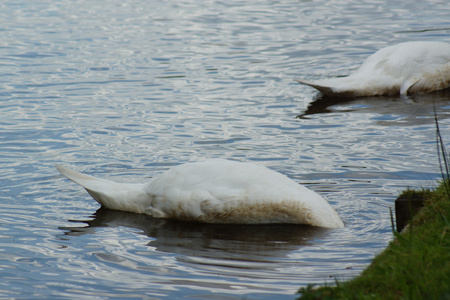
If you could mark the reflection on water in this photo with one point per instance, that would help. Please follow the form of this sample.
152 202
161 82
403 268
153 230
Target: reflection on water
241 242
186 254
406 110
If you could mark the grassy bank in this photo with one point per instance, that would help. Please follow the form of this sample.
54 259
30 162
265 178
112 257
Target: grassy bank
416 264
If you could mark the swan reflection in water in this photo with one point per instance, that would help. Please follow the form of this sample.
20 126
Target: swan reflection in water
246 242
409 110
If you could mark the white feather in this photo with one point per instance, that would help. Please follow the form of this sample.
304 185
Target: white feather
215 191
406 68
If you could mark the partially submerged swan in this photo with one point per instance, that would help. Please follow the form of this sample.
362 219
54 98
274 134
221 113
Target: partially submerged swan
215 191
406 68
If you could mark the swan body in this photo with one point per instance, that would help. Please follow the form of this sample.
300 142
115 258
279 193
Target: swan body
215 191
406 68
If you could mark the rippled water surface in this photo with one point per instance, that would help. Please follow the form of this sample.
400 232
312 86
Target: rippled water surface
125 89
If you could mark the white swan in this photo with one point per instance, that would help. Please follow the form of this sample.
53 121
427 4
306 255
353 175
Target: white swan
215 191
406 68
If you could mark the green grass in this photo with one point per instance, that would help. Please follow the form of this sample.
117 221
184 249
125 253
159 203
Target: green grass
416 264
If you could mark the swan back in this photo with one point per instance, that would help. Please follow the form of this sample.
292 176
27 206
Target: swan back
223 191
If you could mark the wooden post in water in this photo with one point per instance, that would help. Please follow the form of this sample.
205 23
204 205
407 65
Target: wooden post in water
406 207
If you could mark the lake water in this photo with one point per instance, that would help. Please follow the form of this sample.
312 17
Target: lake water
125 89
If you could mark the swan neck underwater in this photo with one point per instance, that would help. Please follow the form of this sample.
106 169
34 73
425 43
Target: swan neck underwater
215 191
402 69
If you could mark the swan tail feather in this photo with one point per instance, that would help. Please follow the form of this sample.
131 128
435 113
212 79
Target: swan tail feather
110 194
327 90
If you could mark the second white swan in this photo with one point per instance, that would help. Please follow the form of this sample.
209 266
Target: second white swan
406 68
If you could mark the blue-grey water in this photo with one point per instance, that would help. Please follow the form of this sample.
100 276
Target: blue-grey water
125 89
